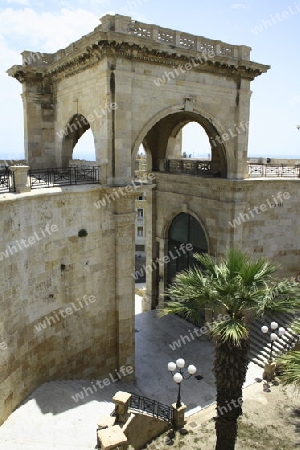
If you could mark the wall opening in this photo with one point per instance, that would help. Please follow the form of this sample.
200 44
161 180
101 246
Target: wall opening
85 147
77 126
141 167
187 134
195 142
185 231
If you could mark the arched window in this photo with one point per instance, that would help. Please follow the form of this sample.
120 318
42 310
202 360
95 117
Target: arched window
85 147
195 141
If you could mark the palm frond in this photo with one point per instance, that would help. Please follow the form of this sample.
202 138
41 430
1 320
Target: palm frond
192 284
295 326
257 272
172 308
236 284
280 297
291 368
232 330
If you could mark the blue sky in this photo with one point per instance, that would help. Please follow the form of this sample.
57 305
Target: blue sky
270 28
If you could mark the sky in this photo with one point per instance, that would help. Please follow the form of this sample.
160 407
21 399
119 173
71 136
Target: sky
270 28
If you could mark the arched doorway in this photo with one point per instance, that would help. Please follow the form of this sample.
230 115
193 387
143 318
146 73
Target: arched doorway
184 229
185 233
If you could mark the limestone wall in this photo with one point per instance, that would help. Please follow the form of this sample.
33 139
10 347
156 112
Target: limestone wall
273 228
66 311
227 212
143 428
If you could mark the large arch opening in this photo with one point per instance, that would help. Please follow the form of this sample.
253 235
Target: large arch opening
195 142
75 129
165 142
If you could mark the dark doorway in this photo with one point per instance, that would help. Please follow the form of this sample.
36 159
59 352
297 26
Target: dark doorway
185 229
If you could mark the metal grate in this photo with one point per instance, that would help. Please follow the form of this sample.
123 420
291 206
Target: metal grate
273 170
187 166
153 407
7 181
45 178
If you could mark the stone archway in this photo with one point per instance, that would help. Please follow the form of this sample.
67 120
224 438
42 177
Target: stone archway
109 75
185 238
160 136
75 128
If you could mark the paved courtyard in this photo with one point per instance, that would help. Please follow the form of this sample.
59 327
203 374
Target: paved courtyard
50 419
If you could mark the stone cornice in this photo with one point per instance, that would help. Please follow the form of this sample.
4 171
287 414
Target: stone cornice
118 36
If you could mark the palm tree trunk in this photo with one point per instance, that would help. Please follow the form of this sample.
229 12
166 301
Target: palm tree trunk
230 367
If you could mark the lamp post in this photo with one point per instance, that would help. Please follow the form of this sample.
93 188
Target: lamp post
179 376
275 332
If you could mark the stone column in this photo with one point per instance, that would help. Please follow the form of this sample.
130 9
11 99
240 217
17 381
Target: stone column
269 371
122 121
39 122
21 178
124 214
178 416
121 400
162 270
241 119
151 298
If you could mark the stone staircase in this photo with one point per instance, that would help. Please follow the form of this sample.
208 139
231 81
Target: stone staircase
260 344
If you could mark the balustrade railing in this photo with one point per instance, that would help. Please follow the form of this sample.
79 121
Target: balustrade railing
7 183
124 24
188 166
203 168
188 41
44 178
273 170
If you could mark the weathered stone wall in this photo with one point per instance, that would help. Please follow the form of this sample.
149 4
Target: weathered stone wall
83 93
142 428
67 302
273 231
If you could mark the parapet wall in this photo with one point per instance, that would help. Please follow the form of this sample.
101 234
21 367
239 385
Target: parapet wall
62 310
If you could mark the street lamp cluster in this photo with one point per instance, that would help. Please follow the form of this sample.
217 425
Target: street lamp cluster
179 376
275 332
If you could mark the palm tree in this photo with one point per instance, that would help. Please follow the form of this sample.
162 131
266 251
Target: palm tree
290 362
241 288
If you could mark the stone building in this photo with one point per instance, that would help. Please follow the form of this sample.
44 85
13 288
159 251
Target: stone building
68 250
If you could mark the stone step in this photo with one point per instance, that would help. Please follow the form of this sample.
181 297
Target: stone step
260 344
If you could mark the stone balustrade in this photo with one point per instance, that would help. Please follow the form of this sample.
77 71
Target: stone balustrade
151 32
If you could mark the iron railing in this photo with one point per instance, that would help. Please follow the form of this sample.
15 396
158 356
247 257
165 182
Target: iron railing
44 178
274 170
203 167
153 407
7 181
188 166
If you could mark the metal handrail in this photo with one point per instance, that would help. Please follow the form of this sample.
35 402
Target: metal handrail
189 166
273 170
44 178
7 181
157 409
